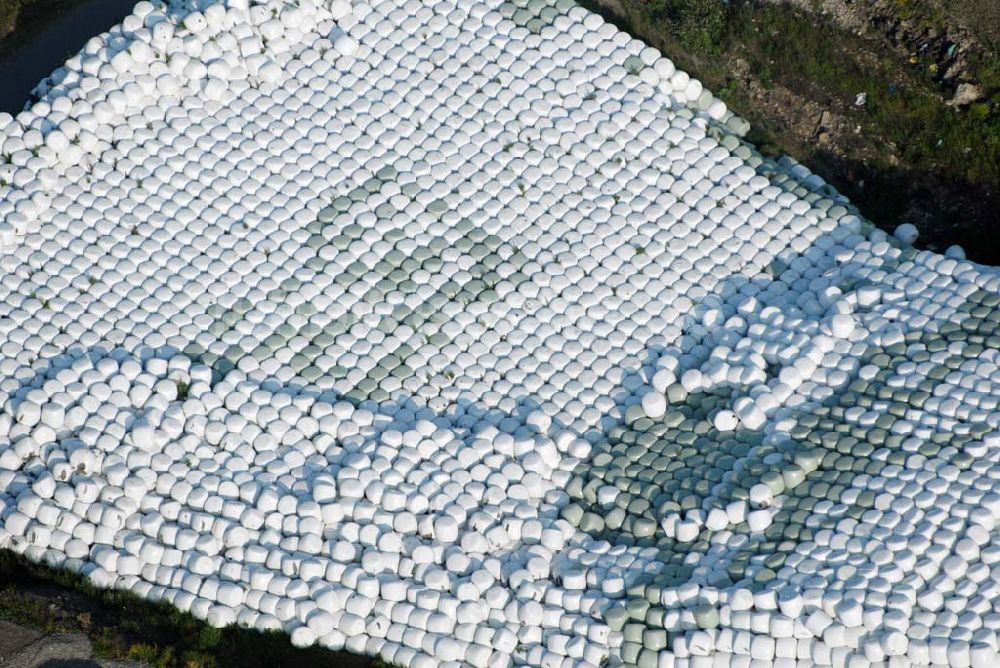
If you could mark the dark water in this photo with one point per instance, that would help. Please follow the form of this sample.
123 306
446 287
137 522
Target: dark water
32 61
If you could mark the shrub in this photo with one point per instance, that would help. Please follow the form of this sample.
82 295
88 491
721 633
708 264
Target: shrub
699 25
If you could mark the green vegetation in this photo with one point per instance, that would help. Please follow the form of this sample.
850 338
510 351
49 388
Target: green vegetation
905 132
903 106
29 611
122 626
698 25
803 52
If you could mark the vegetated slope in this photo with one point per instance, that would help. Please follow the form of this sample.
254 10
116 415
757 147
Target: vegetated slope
124 631
895 102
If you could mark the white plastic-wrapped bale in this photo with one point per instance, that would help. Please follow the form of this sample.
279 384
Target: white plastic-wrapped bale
469 332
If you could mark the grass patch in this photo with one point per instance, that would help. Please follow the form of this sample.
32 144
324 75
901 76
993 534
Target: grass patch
123 626
947 158
806 53
29 611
